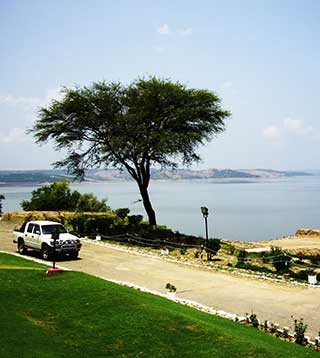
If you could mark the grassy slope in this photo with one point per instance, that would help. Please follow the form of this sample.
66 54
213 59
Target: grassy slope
77 315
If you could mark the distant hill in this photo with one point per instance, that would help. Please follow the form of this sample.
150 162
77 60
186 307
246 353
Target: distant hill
11 177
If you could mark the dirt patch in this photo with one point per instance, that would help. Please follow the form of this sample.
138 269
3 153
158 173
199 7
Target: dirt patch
10 267
47 325
308 233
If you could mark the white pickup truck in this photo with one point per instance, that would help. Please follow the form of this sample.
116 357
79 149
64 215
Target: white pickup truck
38 235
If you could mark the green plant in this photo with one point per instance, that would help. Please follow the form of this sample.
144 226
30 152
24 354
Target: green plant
242 256
170 287
183 250
254 320
135 220
213 246
122 213
280 259
58 196
300 329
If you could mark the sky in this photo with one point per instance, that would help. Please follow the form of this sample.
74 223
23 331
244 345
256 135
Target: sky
261 57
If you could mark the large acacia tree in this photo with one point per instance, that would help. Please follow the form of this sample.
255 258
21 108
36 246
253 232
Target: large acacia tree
149 122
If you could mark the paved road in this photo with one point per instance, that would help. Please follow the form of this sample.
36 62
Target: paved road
272 301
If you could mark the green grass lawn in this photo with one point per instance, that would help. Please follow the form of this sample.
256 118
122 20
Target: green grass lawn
77 315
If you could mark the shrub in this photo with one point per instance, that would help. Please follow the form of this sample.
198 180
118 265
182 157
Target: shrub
254 320
183 250
170 287
58 196
280 260
247 266
242 256
135 220
213 247
302 275
300 329
122 213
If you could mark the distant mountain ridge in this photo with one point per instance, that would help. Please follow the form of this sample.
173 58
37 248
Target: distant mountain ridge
8 177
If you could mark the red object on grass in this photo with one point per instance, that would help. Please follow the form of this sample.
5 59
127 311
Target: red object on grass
54 270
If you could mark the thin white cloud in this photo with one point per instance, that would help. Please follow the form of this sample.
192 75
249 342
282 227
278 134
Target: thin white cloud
20 101
31 103
164 29
186 32
272 134
297 126
15 136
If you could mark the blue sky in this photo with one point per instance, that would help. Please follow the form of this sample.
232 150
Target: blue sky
261 57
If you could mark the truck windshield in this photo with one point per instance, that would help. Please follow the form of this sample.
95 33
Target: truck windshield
50 229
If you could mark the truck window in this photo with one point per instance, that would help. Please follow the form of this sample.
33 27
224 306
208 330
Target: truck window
50 229
23 227
30 228
36 229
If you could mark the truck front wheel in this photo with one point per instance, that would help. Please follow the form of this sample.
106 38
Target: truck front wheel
21 247
74 255
45 253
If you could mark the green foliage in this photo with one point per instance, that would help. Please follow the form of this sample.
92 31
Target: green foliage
302 274
90 224
214 245
122 212
170 287
212 248
299 330
134 220
280 260
248 266
254 320
58 196
149 122
242 256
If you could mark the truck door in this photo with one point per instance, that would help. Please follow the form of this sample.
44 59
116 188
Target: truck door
36 236
28 236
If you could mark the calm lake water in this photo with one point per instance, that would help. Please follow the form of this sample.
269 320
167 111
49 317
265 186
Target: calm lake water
238 211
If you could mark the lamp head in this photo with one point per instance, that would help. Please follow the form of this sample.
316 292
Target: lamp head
204 211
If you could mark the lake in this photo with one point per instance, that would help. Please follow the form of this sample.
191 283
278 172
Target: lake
251 211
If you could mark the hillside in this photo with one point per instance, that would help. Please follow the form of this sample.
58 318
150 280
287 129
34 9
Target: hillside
11 177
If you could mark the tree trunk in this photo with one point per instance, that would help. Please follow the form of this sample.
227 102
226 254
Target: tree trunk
148 206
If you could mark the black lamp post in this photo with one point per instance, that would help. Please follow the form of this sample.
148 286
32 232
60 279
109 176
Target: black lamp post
205 214
55 237
1 198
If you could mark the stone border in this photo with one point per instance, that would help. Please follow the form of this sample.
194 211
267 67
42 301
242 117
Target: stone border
249 275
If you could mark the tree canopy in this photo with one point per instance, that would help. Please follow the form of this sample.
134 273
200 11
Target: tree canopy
59 196
148 122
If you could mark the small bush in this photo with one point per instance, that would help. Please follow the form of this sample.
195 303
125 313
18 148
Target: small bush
183 250
122 213
135 220
280 260
254 320
170 287
300 329
242 256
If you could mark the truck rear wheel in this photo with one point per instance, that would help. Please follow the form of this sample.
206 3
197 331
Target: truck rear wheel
21 247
